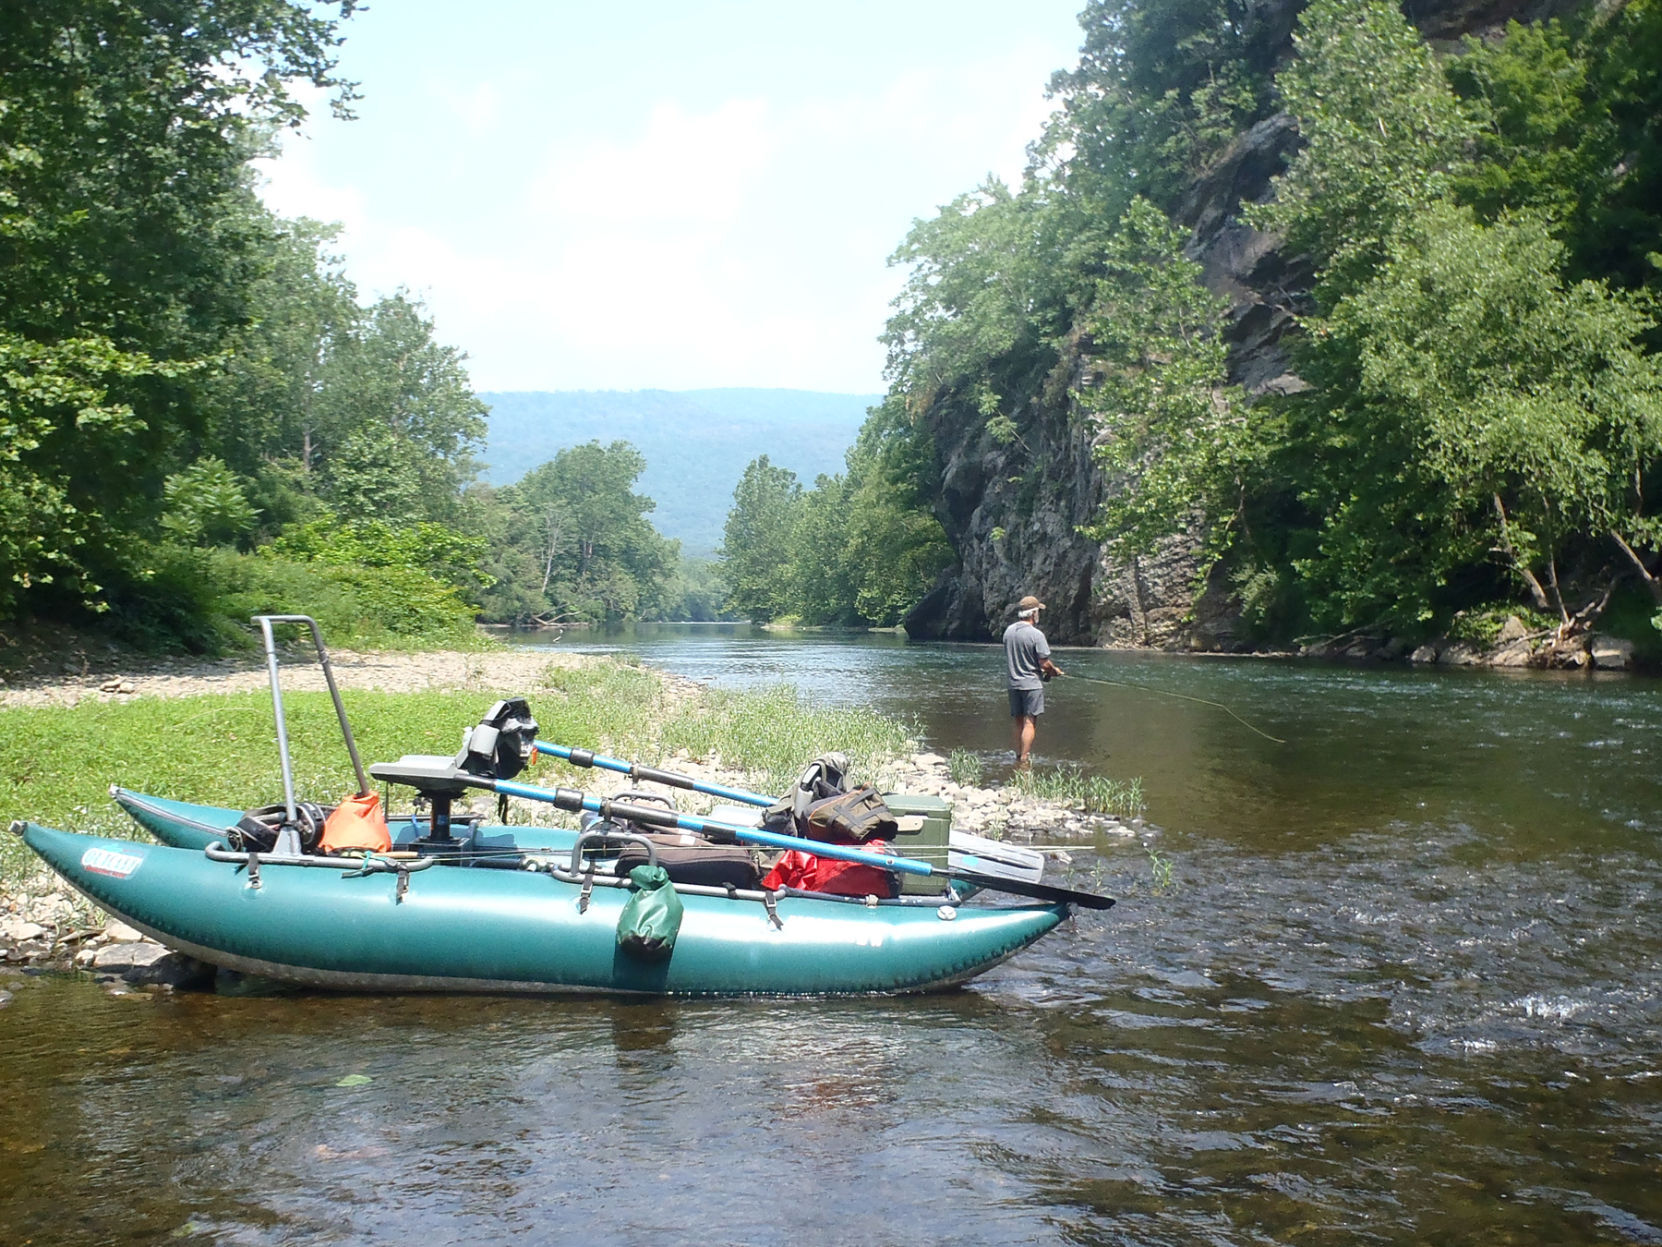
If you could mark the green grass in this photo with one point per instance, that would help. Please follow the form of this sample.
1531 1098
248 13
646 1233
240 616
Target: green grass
1095 794
56 764
769 735
964 766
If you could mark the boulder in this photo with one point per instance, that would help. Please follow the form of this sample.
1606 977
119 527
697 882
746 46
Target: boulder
1610 653
1515 653
145 963
1460 654
1426 653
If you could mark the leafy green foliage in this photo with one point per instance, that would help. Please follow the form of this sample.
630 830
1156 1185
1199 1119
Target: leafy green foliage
575 541
859 548
206 504
1525 405
1161 89
1471 406
405 418
978 290
1382 133
128 234
755 548
1482 418
1179 447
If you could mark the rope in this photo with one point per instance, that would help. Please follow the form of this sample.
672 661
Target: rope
1183 696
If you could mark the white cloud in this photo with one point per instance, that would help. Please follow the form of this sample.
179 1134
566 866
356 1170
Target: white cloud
741 242
683 166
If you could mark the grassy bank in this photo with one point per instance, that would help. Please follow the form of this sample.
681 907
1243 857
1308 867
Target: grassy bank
56 764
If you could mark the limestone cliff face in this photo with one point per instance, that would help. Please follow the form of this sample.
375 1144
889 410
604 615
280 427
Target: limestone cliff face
1016 531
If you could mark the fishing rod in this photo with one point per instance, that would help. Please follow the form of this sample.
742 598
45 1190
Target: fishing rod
1182 696
573 801
651 775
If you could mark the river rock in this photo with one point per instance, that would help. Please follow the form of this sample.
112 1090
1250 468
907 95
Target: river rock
118 932
1426 654
148 964
1460 654
1515 653
1610 653
17 930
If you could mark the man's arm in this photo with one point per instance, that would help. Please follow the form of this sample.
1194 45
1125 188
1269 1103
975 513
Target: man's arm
1048 669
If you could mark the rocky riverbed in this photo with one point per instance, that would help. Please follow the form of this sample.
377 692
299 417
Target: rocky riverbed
51 927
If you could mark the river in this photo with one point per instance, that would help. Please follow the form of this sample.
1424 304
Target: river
1404 986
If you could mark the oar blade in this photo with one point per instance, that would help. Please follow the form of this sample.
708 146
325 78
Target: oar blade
1040 891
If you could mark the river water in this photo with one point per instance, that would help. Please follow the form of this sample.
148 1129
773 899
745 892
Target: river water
1404 986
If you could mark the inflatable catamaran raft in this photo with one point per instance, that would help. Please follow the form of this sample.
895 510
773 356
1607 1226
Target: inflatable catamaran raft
641 899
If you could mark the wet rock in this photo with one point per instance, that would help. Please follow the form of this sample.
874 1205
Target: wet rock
1515 653
144 963
1460 654
1609 653
1426 654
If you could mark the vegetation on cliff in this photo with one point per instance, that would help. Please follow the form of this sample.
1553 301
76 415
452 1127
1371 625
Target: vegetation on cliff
1477 413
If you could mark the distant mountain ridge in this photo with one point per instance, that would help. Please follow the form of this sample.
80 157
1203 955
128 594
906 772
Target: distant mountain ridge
696 442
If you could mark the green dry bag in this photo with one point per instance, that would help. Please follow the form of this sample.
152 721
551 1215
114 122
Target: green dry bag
651 917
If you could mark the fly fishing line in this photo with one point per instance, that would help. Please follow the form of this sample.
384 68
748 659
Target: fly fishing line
1182 696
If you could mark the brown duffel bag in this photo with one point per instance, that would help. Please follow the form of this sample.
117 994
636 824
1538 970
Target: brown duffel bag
850 817
709 865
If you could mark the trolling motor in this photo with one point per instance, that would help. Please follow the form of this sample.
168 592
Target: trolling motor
497 748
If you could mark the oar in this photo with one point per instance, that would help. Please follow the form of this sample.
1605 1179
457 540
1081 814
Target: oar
573 801
587 757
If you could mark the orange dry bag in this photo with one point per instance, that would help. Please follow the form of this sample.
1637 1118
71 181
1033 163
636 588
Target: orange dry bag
356 823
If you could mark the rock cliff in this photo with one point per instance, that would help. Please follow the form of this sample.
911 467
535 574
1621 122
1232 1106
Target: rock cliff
1014 525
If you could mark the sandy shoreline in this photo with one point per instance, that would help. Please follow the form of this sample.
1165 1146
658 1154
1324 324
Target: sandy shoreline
496 672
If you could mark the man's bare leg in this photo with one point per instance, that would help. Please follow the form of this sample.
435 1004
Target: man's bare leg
1025 727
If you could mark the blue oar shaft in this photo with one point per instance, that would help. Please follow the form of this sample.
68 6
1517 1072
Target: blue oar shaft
569 799
587 757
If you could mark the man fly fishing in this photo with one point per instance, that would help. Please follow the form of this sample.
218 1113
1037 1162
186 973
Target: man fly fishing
1027 662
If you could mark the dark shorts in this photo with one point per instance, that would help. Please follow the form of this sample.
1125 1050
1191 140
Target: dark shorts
1028 701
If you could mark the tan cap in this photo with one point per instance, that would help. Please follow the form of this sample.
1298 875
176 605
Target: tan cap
1029 603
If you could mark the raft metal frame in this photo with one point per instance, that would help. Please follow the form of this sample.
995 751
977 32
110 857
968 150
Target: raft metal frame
288 839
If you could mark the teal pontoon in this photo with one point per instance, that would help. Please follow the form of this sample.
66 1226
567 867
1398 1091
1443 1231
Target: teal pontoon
384 924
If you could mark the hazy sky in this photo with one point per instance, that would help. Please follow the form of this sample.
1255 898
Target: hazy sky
666 194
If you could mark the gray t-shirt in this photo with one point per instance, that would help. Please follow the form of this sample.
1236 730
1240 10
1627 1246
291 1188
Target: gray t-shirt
1024 647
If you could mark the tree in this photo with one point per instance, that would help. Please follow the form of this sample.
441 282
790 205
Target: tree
819 576
755 551
1522 406
1177 449
403 415
268 403
1382 132
1160 90
128 230
587 548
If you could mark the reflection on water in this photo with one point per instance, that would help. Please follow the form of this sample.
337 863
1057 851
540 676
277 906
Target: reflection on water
1405 989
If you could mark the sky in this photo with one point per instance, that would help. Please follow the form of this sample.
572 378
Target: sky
665 195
